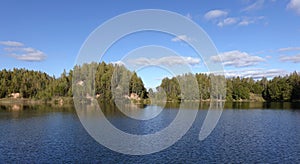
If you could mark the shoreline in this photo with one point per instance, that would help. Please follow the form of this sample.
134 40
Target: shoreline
69 100
28 101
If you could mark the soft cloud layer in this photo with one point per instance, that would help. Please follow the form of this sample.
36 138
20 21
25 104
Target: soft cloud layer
227 21
245 21
255 6
11 43
167 61
222 20
182 38
19 52
256 73
294 59
237 59
120 63
29 54
294 5
289 49
213 14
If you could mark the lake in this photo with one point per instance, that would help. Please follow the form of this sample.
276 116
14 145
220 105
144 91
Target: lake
245 133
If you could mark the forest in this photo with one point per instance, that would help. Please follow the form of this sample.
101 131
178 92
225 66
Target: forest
39 85
279 88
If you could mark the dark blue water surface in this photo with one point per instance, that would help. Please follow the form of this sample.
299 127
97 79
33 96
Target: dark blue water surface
246 133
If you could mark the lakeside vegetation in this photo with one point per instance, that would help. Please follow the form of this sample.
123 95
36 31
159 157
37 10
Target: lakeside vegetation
37 85
277 89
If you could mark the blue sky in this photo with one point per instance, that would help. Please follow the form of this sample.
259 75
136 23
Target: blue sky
254 37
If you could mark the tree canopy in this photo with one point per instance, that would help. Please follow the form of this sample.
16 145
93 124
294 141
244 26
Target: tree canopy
280 88
39 85
111 78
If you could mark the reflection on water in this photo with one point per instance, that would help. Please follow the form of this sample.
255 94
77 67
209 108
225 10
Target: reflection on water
124 139
262 105
29 110
269 133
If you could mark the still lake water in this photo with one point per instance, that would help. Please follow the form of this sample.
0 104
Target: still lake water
245 133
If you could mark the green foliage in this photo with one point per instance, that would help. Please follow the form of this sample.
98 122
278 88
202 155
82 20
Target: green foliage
27 83
137 86
279 88
111 78
38 85
171 88
204 86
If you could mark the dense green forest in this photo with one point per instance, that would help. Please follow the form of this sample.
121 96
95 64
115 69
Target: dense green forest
39 85
111 81
280 88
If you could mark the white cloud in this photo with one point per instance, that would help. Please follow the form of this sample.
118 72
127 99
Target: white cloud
289 49
11 43
255 6
255 73
182 38
294 5
220 17
29 54
213 14
168 61
120 63
245 21
237 58
19 52
227 21
294 59
241 21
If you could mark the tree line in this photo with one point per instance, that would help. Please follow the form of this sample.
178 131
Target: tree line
39 85
107 81
279 88
114 81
